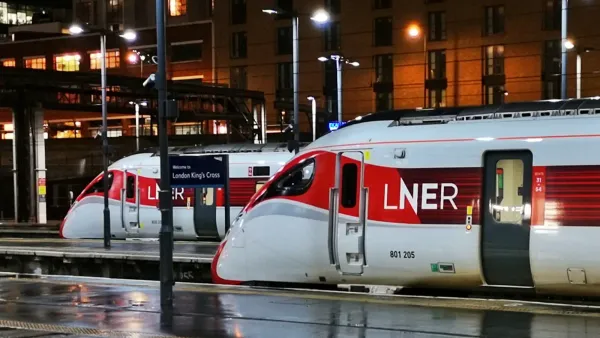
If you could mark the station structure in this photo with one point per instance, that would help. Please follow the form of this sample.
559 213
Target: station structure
31 94
39 55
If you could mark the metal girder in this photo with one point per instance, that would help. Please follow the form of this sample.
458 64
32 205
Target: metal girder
79 91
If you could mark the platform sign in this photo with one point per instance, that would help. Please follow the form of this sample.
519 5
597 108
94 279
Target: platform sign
198 171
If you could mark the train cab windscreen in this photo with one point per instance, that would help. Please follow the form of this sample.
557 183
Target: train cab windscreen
98 186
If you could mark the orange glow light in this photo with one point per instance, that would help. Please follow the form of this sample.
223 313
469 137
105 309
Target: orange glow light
414 31
132 58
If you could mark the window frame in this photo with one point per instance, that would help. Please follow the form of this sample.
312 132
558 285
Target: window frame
276 189
99 182
383 31
436 69
285 43
494 59
494 20
437 29
178 12
239 45
349 185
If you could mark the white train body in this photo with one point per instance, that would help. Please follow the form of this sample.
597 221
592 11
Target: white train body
197 213
494 196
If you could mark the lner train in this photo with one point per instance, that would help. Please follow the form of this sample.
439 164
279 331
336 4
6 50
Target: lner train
197 213
472 198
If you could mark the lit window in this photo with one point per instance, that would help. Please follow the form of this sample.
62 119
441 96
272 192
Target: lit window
97 99
3 13
188 129
67 62
9 63
14 14
35 63
112 60
177 7
220 128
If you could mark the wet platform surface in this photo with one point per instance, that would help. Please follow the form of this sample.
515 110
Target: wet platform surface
122 308
30 230
201 252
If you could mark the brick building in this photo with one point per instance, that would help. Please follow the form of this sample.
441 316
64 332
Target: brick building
475 51
49 45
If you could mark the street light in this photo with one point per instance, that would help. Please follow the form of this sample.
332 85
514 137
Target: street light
137 121
136 56
414 31
319 16
128 35
313 101
563 37
339 61
570 45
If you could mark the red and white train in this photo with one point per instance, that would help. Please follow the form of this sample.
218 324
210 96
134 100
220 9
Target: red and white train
197 213
472 197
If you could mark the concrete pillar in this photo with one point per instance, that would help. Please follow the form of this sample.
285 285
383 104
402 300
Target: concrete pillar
39 152
126 123
255 124
84 129
21 162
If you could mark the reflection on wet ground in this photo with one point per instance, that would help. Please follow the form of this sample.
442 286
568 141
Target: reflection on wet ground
148 247
211 311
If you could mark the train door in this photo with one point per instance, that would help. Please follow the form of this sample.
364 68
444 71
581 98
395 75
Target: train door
506 218
205 212
130 203
348 214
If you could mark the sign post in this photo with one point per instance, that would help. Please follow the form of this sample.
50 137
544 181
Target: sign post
202 171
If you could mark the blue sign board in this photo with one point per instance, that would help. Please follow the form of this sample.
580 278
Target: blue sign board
198 171
335 125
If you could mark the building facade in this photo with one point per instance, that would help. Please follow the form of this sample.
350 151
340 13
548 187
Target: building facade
14 13
417 53
48 45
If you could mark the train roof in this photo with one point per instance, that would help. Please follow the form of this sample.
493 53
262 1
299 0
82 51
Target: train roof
230 148
584 106
539 119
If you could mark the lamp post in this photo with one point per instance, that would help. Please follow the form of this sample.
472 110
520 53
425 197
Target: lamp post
414 31
313 101
339 61
130 36
136 56
570 45
563 36
320 16
137 121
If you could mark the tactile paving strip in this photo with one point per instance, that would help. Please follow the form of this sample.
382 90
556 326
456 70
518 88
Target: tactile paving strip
50 328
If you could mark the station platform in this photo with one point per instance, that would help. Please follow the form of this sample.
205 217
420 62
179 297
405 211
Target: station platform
124 259
30 230
118 308
189 252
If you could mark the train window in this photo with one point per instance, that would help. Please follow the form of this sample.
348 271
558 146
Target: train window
208 196
261 171
349 185
298 179
508 207
98 187
130 187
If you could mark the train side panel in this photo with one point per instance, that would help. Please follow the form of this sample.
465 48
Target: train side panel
558 219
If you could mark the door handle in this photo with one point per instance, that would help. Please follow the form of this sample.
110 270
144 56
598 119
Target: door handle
526 212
